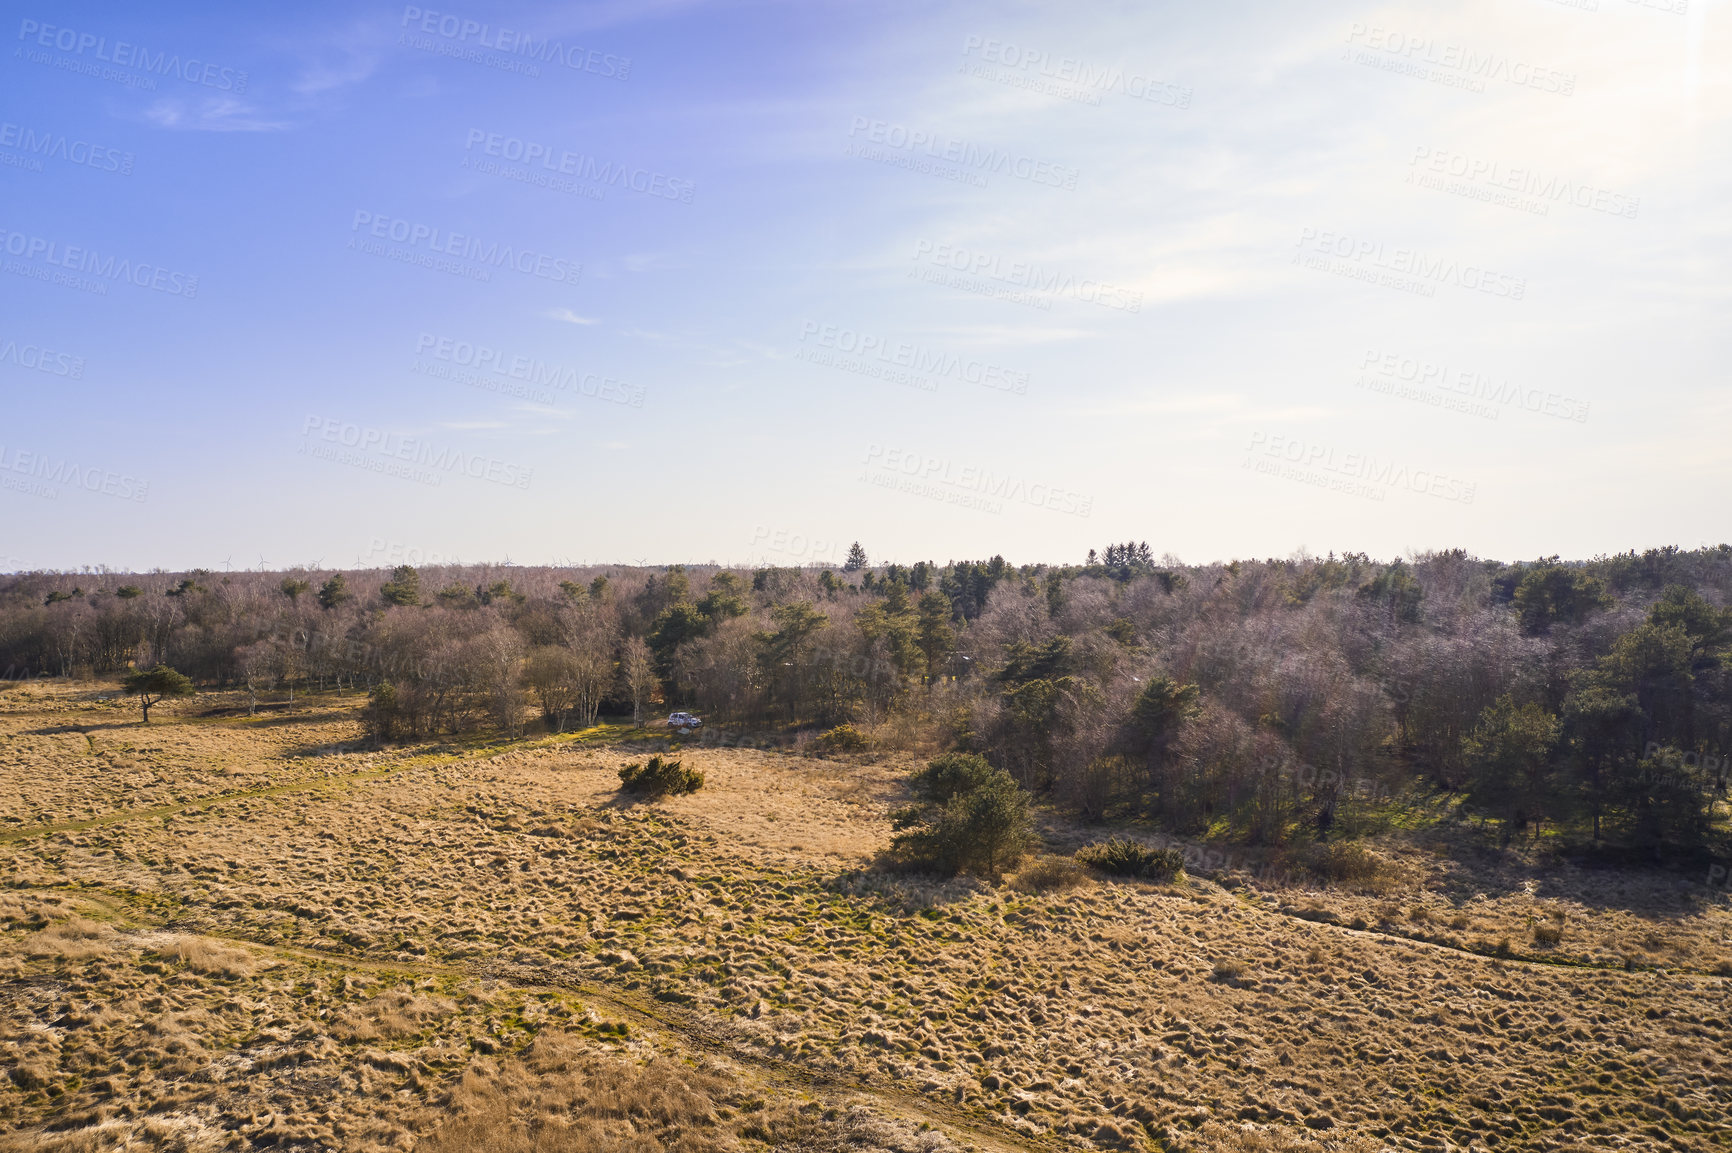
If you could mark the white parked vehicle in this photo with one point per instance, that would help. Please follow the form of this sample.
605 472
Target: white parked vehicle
685 722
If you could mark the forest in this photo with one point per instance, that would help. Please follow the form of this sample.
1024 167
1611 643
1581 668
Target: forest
1270 702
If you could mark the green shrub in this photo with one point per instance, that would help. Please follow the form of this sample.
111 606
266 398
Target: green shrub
659 778
380 719
1125 858
842 739
975 819
950 774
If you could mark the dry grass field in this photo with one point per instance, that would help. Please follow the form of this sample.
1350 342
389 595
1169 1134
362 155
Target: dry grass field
223 932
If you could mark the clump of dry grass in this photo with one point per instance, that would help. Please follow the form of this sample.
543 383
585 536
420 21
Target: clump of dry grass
562 1097
1052 875
1228 970
1249 1138
390 1016
78 1141
21 912
74 939
905 732
1351 865
202 955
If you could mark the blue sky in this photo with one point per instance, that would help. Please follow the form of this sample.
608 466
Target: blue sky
745 282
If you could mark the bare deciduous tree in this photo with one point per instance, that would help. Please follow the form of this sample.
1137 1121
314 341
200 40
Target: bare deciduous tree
638 673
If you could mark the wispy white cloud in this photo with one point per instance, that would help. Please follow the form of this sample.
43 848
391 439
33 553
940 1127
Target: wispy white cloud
646 261
321 77
570 317
211 114
1230 408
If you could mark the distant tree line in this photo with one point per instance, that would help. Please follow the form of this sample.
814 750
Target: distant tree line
1263 700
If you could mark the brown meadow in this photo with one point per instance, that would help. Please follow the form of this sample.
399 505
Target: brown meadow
223 932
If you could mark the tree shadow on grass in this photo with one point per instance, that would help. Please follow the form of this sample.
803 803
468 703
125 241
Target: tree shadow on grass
625 802
326 749
893 886
281 716
1673 889
83 728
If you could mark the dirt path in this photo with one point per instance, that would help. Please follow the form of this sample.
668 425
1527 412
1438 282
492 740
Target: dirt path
697 1032
1510 958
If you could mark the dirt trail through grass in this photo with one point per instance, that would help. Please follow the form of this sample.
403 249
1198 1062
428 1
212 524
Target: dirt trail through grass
1510 958
693 1031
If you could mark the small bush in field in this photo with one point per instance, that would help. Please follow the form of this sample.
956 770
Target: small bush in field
842 739
951 774
659 778
1125 858
974 818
